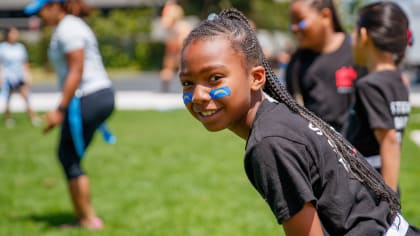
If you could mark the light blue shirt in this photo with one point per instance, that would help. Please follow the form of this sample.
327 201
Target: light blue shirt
12 60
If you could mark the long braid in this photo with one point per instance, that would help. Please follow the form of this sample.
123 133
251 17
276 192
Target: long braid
234 25
360 169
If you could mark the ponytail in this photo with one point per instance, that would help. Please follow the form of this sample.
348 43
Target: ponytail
388 26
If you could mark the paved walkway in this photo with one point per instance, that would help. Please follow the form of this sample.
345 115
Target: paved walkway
125 100
137 91
141 92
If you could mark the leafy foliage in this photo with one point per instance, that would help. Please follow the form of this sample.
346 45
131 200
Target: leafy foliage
119 33
123 34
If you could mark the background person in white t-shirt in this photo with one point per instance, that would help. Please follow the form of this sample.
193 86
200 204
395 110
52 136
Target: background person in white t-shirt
15 74
87 98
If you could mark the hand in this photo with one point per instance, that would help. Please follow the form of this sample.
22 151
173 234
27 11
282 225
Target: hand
53 118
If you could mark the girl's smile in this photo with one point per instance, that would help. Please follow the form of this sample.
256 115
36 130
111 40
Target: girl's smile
207 116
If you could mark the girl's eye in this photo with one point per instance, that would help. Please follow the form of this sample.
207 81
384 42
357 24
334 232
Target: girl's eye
186 83
214 78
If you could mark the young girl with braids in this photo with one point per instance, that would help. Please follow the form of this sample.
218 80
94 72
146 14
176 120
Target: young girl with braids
321 73
314 182
382 108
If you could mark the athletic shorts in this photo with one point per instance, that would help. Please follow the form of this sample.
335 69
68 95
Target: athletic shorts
15 85
95 109
10 87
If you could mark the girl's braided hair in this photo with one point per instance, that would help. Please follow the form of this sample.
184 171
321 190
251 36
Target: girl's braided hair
234 26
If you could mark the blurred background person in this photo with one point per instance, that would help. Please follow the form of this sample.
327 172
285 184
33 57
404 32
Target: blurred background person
15 75
177 28
87 97
320 74
381 111
282 62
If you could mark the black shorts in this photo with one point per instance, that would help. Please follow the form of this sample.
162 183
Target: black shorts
12 87
95 109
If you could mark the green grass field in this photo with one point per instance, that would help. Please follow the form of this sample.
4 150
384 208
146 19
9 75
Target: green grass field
165 176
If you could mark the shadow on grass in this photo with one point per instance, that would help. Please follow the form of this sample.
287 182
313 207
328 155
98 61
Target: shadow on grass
53 219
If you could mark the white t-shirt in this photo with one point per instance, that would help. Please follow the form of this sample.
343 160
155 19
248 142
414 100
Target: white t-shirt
12 59
71 34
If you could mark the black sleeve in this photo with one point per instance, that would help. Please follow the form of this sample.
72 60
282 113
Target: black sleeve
376 106
279 170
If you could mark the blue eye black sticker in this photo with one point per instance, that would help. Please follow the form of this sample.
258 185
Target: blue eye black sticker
220 92
300 25
214 94
187 97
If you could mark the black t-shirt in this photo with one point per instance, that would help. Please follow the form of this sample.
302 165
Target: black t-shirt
290 162
325 82
381 102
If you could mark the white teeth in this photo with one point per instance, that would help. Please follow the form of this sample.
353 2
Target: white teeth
207 113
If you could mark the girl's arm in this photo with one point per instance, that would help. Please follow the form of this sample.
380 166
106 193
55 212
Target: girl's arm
305 223
390 156
75 61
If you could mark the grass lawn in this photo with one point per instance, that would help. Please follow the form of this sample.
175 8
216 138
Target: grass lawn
165 176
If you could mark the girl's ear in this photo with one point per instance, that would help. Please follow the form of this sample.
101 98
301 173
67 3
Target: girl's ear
257 79
326 16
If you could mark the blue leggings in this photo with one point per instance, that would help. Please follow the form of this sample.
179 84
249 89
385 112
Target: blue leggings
95 109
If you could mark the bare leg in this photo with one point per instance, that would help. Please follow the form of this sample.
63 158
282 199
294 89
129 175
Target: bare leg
7 114
24 91
80 196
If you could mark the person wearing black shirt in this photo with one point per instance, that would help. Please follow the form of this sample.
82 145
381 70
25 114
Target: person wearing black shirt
321 73
381 110
290 162
314 181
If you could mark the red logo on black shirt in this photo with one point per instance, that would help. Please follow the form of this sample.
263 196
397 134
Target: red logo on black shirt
344 78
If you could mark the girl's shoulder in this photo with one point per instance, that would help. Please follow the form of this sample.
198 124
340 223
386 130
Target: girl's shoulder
280 129
342 53
9 46
276 120
71 23
379 79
